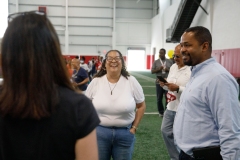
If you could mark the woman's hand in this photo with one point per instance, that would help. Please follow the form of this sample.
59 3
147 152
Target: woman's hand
75 84
138 116
133 130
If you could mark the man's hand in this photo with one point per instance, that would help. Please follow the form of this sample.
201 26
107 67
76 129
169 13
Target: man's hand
161 83
157 70
75 84
161 68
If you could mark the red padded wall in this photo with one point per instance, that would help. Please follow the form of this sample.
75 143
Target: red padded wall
87 58
230 59
150 60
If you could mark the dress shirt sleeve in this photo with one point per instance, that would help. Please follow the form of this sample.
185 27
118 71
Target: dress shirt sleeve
187 75
222 96
171 70
181 88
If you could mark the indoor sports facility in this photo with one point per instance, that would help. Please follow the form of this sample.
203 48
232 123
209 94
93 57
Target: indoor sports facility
88 30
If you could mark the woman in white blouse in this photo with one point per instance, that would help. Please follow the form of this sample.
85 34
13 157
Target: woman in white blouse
178 76
119 102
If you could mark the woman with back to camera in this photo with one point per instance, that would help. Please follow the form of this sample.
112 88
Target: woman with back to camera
41 115
115 95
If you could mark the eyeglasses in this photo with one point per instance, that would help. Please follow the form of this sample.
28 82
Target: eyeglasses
110 59
175 56
14 15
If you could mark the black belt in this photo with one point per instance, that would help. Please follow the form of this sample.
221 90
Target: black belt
184 156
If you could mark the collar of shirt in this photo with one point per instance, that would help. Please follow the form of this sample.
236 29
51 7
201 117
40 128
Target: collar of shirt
183 68
195 69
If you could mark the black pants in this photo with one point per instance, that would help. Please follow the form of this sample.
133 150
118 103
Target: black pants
184 156
160 92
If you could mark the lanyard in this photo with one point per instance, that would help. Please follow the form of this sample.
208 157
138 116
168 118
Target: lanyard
163 64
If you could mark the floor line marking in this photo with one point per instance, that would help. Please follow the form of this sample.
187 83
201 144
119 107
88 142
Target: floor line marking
143 77
151 113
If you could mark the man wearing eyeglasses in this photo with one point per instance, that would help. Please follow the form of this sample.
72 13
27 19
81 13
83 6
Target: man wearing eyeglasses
178 76
161 67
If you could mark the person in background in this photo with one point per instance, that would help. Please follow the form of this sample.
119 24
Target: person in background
69 68
80 76
99 63
83 64
119 101
161 67
41 115
208 112
178 76
90 70
94 71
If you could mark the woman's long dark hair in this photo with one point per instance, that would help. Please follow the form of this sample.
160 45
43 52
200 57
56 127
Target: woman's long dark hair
32 68
103 70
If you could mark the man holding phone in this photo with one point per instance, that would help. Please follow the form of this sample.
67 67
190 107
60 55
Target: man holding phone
161 67
178 76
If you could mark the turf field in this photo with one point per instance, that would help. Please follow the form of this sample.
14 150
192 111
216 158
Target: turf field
149 144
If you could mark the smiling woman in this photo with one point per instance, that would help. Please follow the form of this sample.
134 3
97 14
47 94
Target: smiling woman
119 101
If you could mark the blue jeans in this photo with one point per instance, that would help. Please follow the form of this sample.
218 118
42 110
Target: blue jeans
115 142
167 133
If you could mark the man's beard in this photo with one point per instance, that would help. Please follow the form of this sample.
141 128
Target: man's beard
189 61
162 58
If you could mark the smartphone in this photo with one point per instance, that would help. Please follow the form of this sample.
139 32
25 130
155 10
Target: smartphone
160 78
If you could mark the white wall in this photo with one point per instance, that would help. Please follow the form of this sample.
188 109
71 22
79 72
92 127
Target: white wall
161 23
226 24
222 20
91 23
3 17
133 24
89 29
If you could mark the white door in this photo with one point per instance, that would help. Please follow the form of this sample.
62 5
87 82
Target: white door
136 60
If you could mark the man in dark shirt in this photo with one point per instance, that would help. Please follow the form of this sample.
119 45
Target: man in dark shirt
161 67
80 77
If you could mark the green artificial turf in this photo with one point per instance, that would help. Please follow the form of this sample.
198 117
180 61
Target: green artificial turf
146 83
149 90
149 144
151 105
145 73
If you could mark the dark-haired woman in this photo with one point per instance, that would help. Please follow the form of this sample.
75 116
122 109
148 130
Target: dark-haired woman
41 115
115 95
